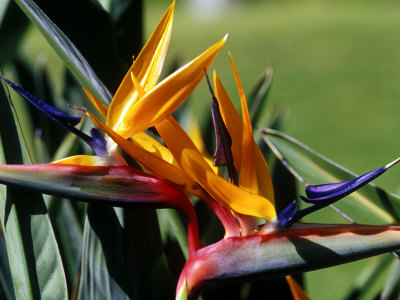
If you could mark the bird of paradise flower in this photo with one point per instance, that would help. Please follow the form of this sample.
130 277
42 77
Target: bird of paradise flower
178 168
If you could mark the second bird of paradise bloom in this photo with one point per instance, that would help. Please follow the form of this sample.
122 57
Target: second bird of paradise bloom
180 166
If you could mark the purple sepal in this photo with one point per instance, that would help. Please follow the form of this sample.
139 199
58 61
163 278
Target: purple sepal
286 216
223 152
98 143
219 154
47 109
335 191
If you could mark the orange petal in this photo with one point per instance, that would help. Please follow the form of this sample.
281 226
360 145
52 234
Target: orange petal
247 172
146 69
195 135
193 163
151 162
166 97
234 125
297 291
232 119
103 110
151 145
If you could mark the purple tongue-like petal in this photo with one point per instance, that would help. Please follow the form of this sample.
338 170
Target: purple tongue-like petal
336 191
285 217
326 194
96 141
47 109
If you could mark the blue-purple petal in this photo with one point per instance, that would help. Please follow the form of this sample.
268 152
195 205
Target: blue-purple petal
335 191
47 109
98 143
286 216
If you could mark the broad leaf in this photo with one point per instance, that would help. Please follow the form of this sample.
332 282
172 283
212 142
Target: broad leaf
6 283
370 204
92 28
258 95
71 56
123 257
34 260
103 260
11 32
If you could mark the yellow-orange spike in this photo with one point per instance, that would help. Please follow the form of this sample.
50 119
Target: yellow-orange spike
153 146
192 161
152 163
137 85
234 125
247 172
146 68
102 109
297 291
232 119
167 96
195 135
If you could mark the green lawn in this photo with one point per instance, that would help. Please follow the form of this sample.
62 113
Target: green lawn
336 66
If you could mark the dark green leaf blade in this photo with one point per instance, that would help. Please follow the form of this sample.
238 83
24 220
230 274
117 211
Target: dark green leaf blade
34 260
92 28
71 56
123 258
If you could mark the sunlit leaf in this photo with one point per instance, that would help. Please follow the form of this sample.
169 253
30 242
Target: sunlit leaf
370 204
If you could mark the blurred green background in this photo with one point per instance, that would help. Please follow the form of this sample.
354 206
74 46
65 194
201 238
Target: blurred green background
336 69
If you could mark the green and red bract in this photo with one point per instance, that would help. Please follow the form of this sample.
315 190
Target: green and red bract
121 186
303 247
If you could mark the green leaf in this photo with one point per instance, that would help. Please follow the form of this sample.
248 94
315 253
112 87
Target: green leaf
5 273
368 205
71 56
372 278
11 31
64 211
3 8
123 257
34 260
103 269
92 28
258 95
172 226
392 288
